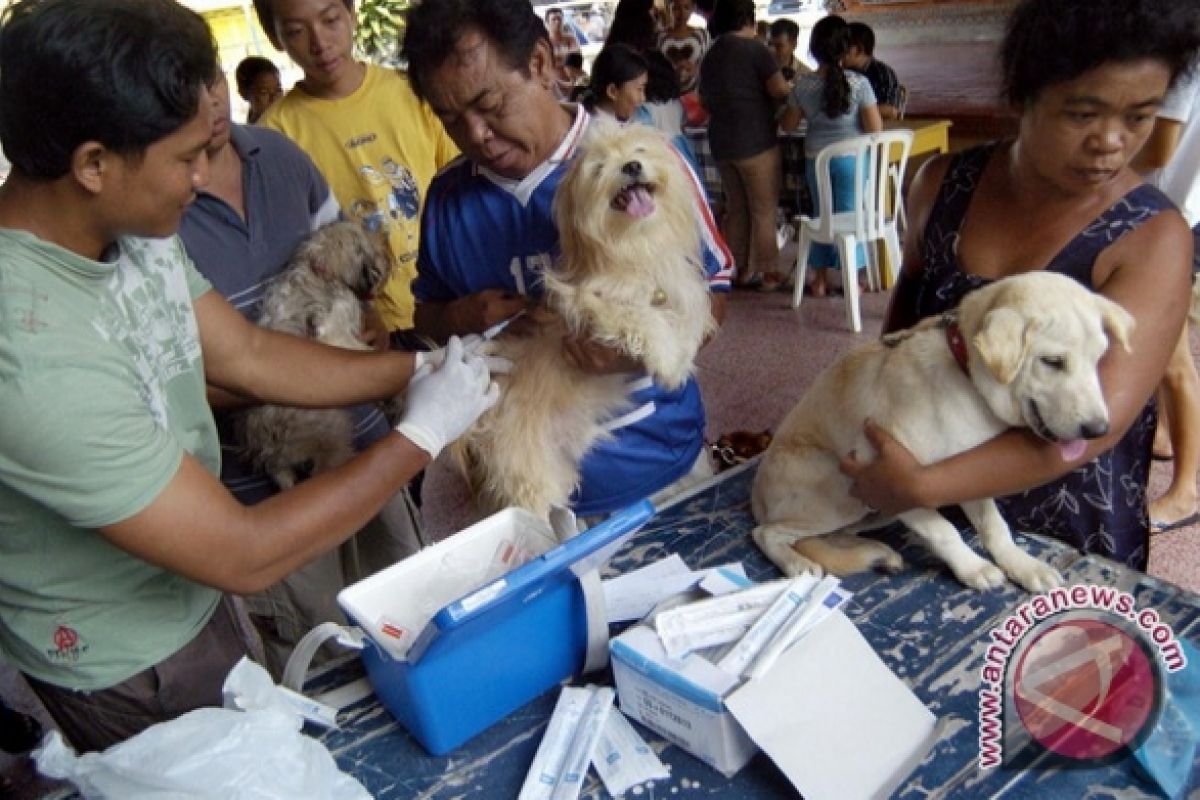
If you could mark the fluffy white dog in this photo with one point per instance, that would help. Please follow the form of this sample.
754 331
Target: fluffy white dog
631 276
1027 354
322 296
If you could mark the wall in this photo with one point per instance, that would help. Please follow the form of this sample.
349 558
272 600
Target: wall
945 52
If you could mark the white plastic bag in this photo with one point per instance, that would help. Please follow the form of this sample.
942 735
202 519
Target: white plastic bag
255 754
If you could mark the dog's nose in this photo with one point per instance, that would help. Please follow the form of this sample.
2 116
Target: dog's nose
632 168
1094 430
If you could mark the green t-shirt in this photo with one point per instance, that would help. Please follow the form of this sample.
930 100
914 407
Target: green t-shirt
101 393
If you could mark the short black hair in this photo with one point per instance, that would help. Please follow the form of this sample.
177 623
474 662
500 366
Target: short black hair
435 26
573 59
1052 41
124 73
785 27
249 68
862 37
266 18
730 15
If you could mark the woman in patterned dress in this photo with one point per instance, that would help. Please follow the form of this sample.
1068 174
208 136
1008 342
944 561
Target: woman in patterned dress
1086 77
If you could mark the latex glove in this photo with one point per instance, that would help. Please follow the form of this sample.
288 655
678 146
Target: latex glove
442 403
473 345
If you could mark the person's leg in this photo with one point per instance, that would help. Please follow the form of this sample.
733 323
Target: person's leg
191 678
283 613
392 535
1181 389
821 257
19 733
761 175
845 195
735 223
1161 450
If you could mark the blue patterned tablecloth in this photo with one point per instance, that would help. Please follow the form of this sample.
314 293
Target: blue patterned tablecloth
927 627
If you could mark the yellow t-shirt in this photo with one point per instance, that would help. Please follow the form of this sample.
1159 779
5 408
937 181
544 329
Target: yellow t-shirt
378 148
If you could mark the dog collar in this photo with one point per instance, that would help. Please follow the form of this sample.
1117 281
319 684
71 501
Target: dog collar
956 342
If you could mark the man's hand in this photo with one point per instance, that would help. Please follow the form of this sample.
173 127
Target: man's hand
477 312
442 403
375 332
889 483
597 358
473 345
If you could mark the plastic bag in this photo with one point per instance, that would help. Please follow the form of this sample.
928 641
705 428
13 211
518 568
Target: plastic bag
223 753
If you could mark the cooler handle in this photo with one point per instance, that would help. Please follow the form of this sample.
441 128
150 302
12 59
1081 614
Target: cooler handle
296 669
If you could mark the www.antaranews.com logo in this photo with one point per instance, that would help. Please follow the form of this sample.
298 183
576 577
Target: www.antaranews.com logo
1077 671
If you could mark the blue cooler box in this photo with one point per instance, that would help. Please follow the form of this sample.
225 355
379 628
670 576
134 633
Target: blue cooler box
449 671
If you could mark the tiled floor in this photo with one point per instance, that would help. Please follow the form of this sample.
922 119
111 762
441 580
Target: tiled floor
751 375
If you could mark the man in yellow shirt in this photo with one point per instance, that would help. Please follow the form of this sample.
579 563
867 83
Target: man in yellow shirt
377 145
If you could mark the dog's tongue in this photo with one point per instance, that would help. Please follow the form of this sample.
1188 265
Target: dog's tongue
1072 450
641 204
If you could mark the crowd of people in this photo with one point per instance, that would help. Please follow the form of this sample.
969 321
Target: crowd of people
141 224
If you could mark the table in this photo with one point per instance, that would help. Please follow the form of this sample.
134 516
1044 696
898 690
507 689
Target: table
929 135
928 628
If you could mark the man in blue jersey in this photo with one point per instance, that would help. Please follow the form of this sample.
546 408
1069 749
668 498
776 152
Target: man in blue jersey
486 67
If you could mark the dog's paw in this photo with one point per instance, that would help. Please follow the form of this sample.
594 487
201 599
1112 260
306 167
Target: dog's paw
891 563
1031 574
799 565
982 575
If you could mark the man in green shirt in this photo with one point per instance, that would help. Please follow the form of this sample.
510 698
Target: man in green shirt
117 540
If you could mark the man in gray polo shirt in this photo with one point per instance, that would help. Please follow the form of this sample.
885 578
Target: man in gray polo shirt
265 195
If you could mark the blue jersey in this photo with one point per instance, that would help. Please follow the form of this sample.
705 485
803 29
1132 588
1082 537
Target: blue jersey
480 231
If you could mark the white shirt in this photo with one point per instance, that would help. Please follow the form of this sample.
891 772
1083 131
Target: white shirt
1180 178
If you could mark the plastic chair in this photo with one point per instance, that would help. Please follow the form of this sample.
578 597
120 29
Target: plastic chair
873 218
901 108
886 205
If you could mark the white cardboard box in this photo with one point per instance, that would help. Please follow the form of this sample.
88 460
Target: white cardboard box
830 714
681 699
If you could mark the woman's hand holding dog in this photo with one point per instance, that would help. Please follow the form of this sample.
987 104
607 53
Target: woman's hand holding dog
442 403
890 482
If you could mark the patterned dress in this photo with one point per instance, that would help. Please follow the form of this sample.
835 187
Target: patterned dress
1101 506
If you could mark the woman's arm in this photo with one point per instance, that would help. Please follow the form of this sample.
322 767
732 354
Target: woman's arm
1148 273
870 119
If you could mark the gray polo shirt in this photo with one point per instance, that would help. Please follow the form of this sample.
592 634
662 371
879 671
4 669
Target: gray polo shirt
285 199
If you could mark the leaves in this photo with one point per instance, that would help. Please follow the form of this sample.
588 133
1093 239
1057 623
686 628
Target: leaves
380 29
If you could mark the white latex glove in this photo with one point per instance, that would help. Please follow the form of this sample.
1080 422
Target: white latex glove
473 345
442 403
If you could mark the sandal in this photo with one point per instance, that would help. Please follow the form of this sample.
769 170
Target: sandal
19 733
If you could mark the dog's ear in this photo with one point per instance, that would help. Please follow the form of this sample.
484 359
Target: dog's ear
1003 341
1118 323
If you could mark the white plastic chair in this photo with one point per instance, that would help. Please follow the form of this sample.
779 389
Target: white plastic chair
877 197
886 204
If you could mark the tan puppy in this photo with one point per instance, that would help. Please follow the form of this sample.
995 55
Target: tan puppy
1031 345
321 295
631 276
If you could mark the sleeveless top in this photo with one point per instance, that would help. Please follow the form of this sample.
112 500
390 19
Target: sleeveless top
1101 506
